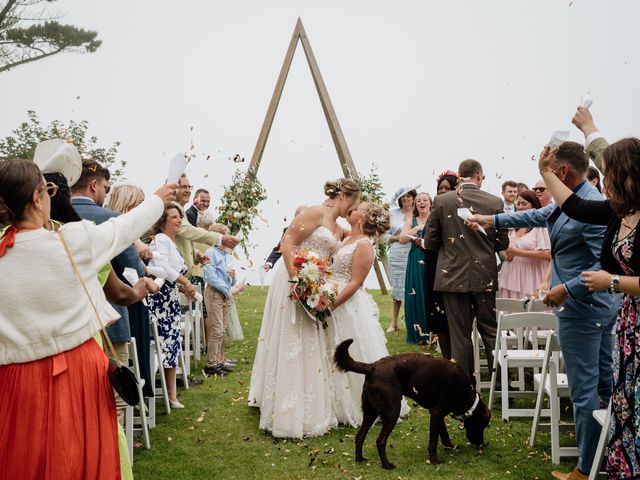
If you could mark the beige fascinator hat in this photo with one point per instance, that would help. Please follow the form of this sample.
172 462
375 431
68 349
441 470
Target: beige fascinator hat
59 156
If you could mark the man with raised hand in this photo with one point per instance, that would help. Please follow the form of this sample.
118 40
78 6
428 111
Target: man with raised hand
585 319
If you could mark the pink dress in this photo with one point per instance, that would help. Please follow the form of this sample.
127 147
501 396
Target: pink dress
521 277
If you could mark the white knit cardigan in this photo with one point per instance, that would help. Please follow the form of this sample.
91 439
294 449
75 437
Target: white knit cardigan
43 308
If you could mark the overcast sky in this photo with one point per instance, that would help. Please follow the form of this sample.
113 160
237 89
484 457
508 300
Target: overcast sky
417 86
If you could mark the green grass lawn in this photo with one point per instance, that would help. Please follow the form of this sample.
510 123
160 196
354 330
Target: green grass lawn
217 436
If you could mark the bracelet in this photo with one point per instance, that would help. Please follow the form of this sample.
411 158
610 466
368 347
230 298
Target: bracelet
614 285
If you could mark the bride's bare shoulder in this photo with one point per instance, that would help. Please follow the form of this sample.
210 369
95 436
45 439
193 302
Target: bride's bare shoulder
313 213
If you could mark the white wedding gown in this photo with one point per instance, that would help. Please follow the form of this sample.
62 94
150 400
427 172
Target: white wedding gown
357 318
290 378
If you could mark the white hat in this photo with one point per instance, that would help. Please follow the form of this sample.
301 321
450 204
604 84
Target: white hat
59 156
402 191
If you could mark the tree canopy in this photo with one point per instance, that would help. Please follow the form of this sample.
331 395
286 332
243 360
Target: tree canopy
29 33
23 140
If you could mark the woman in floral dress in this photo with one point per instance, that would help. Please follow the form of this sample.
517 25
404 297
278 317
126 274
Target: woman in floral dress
164 306
620 261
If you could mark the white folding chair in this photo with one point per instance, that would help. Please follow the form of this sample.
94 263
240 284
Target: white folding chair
554 385
517 358
503 305
539 340
603 417
141 419
156 367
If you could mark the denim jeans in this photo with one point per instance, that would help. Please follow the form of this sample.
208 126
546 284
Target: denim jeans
586 345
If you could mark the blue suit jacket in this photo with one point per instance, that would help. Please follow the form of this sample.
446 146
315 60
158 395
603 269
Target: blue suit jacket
87 209
575 248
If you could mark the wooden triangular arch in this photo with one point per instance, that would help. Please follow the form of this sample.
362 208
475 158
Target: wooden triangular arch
344 156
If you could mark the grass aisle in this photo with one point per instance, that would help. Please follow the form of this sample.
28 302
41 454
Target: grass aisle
217 437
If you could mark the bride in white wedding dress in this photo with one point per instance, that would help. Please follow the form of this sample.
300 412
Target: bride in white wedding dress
356 314
290 378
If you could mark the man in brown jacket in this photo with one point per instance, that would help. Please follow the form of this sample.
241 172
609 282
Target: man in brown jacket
466 272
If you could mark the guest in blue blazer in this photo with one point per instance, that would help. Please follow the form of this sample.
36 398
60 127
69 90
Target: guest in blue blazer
585 318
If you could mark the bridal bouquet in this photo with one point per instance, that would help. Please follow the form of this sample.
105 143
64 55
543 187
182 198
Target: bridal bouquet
311 288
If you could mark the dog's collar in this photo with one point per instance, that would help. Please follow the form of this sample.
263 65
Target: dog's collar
469 412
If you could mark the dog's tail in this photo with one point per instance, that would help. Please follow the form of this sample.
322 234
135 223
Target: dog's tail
345 363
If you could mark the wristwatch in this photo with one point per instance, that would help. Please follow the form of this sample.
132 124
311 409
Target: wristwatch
614 286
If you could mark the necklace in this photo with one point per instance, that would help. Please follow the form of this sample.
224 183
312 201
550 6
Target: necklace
633 216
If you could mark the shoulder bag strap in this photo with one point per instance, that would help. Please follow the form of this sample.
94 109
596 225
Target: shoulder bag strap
93 305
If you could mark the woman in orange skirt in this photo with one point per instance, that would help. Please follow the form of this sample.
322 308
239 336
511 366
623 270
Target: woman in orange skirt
57 411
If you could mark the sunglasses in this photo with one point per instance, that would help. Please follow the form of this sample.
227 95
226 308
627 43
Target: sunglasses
539 189
52 189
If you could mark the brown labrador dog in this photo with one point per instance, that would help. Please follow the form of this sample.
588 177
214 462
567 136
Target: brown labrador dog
439 385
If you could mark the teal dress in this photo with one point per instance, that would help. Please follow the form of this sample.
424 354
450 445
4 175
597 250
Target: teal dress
415 310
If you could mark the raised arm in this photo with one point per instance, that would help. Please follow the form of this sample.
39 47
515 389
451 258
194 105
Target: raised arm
594 142
111 237
597 212
360 267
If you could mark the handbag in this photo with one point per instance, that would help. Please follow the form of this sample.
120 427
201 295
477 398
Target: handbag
122 379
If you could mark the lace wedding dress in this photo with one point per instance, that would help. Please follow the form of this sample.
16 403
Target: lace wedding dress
357 318
290 378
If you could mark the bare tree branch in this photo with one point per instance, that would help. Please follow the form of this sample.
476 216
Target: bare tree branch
27 60
5 11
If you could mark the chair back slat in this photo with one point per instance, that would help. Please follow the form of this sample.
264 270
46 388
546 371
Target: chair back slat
513 321
510 305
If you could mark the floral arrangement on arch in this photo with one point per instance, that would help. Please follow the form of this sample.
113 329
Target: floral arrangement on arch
239 204
372 191
311 287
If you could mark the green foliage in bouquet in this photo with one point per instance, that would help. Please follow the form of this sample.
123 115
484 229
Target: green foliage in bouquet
372 191
239 204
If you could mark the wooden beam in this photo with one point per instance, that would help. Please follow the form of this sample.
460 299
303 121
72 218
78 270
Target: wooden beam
348 167
344 156
275 100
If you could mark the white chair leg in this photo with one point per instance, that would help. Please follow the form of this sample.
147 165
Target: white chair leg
554 403
187 344
128 429
181 363
476 356
537 412
602 444
504 391
141 404
159 357
196 333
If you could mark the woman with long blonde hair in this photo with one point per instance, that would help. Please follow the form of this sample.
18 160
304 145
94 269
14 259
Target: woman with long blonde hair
122 198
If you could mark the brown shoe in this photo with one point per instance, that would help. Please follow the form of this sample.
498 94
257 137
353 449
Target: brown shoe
574 474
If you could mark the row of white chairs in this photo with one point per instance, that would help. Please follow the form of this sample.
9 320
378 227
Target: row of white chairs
523 326
142 418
